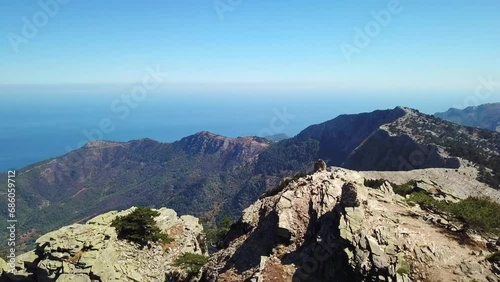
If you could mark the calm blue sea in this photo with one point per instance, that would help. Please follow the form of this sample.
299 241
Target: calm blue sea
36 124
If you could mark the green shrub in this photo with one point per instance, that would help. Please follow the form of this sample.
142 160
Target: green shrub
494 257
473 153
403 189
427 201
215 236
140 227
191 263
478 213
404 268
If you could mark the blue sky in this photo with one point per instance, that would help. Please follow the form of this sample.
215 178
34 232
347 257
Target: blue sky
272 44
426 54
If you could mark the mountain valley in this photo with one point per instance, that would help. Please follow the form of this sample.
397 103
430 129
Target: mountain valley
213 177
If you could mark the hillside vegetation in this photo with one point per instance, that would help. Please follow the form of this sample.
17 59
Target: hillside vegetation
214 177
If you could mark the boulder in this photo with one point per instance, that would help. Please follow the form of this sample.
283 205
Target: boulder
320 165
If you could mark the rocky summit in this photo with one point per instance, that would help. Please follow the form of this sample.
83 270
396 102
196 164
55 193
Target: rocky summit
329 226
92 252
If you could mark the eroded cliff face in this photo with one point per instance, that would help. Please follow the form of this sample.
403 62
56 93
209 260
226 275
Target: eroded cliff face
92 252
330 227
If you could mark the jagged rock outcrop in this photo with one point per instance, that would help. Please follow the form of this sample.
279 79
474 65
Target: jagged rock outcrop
330 227
241 149
92 252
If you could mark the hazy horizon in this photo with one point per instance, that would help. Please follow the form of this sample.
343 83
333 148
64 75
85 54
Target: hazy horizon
46 125
326 45
167 69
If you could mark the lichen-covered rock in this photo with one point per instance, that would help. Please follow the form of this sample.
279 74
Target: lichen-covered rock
92 252
330 227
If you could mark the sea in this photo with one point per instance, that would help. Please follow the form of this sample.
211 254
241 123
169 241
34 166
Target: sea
41 122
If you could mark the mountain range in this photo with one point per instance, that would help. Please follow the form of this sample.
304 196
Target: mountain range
484 116
211 176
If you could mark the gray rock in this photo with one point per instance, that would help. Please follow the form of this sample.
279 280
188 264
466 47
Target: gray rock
374 247
349 195
85 252
73 278
320 165
294 228
3 266
29 259
387 188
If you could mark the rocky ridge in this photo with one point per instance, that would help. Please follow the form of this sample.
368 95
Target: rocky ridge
211 176
330 227
185 175
486 116
398 139
461 182
92 252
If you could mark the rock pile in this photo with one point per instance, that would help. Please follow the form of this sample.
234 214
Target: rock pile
92 252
